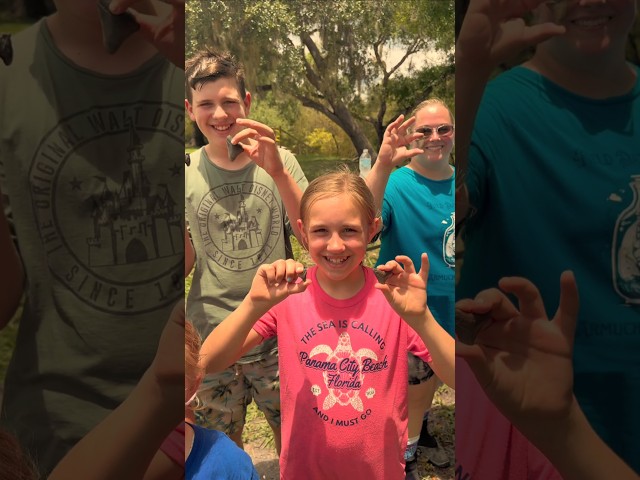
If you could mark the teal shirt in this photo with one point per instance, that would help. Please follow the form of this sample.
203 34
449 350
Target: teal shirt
418 216
550 174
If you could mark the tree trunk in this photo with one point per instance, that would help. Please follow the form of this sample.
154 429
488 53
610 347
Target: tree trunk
353 130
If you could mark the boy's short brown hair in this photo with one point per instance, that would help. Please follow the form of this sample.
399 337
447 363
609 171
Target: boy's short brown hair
208 66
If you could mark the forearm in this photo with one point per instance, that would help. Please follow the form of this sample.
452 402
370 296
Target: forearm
377 181
123 445
291 195
224 344
472 80
440 344
12 278
576 451
189 254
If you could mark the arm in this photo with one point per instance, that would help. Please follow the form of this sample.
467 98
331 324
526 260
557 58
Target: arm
129 437
189 253
406 292
492 32
537 397
264 153
12 278
393 152
227 342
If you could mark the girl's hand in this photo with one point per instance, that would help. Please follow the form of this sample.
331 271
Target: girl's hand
164 31
275 282
404 289
493 31
521 359
262 148
394 151
167 368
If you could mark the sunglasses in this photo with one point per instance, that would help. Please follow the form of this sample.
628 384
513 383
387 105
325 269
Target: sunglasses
442 130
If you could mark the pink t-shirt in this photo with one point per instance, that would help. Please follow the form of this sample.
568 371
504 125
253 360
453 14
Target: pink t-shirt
343 383
488 446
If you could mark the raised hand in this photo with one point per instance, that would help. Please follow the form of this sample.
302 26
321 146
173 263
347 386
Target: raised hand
405 289
275 282
262 147
167 367
165 31
521 359
394 151
493 31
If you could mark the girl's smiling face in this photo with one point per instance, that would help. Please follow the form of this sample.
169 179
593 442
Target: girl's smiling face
337 234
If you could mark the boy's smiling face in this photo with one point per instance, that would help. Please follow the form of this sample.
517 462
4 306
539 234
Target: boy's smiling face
592 26
215 106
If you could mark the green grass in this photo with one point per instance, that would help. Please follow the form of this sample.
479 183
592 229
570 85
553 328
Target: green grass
12 27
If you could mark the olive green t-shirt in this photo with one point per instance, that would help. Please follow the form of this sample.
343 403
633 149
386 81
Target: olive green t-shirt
92 167
237 221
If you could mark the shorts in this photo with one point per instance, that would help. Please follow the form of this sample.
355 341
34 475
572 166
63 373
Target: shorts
226 395
419 370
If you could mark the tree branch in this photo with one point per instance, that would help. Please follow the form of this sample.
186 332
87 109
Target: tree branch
307 102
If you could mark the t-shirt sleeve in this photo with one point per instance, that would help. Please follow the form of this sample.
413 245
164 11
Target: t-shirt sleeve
267 326
417 346
173 445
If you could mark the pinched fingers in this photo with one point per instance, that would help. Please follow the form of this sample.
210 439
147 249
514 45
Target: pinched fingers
567 314
260 128
251 134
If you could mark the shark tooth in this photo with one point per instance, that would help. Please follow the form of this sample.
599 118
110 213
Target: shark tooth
234 150
187 159
115 28
6 49
381 275
468 325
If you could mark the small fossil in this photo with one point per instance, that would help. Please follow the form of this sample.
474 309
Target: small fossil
187 159
234 150
6 49
303 275
381 275
115 28
468 325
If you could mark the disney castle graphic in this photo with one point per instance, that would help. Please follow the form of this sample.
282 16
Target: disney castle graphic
130 225
241 233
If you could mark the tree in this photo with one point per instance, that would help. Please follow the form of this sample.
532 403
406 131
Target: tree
334 55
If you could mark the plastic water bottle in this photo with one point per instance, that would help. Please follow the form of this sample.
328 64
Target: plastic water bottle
365 163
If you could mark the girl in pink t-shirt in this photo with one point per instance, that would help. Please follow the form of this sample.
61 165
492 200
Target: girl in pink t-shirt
342 339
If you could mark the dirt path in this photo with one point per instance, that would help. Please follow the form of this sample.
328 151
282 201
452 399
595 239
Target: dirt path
441 423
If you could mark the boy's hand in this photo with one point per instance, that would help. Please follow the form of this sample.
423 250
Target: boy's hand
275 282
166 31
405 289
394 151
263 151
494 32
523 360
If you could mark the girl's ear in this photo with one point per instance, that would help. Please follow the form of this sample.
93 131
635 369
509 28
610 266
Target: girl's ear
374 227
303 235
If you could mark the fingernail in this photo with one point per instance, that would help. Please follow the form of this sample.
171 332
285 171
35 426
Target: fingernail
115 8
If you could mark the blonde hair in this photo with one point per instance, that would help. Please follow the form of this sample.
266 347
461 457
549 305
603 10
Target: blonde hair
342 181
431 102
192 370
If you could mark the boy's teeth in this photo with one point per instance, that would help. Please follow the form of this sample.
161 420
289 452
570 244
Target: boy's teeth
591 22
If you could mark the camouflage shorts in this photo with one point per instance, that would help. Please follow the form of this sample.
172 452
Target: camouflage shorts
419 370
226 395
